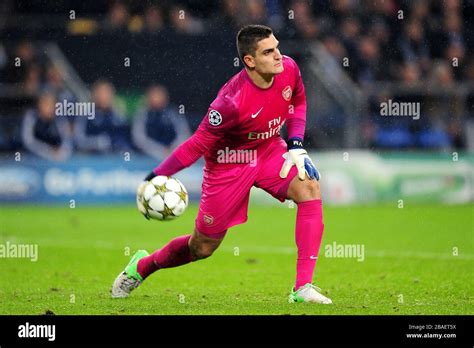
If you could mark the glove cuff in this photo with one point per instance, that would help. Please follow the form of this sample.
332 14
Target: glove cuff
295 143
150 176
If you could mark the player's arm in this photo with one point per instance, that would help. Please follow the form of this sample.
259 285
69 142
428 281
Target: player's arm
296 120
218 120
185 154
296 123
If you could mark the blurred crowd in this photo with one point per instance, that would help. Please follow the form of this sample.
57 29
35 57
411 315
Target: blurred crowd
53 127
409 40
424 46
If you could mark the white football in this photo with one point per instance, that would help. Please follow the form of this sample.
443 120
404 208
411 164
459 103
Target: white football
162 198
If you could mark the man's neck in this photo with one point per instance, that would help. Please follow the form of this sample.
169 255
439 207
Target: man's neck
262 81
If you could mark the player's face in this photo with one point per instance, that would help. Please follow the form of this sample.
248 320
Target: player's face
268 59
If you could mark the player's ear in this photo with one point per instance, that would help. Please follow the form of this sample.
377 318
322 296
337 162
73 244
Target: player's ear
249 61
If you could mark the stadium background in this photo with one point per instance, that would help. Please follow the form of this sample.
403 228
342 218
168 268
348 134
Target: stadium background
405 184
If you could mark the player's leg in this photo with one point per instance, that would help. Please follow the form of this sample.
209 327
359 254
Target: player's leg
202 246
309 227
177 252
309 218
303 190
180 251
308 235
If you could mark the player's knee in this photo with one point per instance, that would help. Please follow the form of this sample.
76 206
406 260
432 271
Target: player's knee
314 189
308 190
202 246
202 251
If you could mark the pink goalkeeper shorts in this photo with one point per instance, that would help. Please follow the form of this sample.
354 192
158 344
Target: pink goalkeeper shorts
226 189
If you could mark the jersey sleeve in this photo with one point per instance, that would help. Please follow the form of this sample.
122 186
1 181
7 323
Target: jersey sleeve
296 121
220 118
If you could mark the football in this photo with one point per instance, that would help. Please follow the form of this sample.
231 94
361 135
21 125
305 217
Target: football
162 198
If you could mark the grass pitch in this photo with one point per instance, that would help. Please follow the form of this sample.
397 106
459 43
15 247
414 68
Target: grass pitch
417 260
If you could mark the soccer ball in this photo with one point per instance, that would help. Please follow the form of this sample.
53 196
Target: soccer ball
162 198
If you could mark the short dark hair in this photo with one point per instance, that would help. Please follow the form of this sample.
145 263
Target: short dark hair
248 36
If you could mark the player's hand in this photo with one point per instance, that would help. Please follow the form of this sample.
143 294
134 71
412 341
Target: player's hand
298 156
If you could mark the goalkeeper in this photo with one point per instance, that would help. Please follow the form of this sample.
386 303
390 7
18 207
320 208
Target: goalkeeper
247 115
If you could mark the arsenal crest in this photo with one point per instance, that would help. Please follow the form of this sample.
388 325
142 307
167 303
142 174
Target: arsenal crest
286 93
208 219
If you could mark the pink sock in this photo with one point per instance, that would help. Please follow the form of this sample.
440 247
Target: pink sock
173 254
309 232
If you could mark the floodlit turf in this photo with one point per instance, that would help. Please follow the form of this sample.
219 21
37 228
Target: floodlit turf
409 266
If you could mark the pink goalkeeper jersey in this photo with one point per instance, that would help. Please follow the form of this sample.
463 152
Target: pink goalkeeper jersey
245 116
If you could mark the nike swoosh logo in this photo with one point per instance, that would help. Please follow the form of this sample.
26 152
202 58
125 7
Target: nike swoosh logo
313 257
255 115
